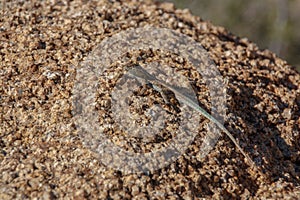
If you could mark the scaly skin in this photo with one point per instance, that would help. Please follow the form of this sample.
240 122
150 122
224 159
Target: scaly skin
139 72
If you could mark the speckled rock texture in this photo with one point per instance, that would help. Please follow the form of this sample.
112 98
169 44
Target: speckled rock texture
41 155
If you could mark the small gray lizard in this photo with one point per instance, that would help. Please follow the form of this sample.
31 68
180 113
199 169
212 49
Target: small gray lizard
139 72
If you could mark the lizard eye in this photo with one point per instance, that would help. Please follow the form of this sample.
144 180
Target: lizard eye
116 119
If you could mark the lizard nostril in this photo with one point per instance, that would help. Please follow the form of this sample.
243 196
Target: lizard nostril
141 73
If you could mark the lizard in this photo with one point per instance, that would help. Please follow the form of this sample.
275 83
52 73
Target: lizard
139 72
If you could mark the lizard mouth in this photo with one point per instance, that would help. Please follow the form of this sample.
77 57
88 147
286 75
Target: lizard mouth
186 55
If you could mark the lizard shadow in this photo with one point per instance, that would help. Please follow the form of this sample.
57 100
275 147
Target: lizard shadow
261 138
272 154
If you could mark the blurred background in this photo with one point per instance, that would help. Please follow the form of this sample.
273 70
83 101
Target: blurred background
272 24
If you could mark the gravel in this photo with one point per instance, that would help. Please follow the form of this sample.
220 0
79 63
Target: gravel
41 154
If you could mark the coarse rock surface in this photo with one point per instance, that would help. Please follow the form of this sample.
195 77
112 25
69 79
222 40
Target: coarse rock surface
42 43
